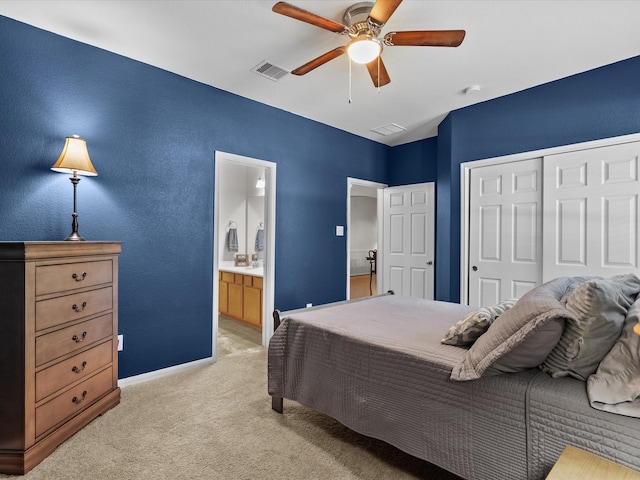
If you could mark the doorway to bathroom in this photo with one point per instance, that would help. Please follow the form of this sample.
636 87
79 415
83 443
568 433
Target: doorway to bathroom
244 252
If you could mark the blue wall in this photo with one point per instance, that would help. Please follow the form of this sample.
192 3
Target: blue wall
597 104
152 137
414 162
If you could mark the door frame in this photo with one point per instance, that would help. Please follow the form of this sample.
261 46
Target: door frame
380 188
465 186
268 292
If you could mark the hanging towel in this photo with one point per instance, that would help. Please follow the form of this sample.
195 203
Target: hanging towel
232 240
260 240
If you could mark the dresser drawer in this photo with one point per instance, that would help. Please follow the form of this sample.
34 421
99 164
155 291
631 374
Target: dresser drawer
72 338
68 276
73 369
72 401
59 310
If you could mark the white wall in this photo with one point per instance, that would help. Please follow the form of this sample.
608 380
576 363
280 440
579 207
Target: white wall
364 232
242 203
255 217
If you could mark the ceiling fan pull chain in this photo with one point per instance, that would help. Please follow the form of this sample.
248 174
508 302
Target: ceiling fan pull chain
378 82
349 80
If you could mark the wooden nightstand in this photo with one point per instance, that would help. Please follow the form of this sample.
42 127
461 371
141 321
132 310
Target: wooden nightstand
580 465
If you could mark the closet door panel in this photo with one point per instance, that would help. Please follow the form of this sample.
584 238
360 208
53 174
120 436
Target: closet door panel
525 242
571 233
505 233
620 240
591 214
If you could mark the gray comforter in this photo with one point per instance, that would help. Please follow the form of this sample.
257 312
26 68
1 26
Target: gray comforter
378 367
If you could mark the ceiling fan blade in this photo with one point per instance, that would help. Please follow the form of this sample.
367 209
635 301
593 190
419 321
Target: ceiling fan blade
379 75
321 60
292 11
425 38
382 10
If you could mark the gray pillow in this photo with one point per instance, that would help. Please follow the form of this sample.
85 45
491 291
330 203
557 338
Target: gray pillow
520 338
601 307
469 329
615 387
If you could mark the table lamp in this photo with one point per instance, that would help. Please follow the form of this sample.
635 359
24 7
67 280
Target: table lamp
75 159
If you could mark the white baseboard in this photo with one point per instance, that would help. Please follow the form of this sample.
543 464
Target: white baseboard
163 372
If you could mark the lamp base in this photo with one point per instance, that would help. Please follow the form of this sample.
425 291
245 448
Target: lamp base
74 237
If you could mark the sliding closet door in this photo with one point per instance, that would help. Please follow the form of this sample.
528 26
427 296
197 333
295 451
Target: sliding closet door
504 231
591 214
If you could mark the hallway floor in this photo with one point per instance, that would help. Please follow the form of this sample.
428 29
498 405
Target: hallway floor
362 286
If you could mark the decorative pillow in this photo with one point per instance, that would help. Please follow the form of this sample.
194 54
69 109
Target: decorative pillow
601 307
467 330
615 387
576 282
520 338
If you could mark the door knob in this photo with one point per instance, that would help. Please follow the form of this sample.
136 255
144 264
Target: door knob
474 268
429 262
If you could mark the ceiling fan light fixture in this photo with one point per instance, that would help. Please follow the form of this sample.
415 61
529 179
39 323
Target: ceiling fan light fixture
364 49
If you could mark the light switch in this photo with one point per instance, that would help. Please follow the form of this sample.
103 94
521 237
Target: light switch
339 231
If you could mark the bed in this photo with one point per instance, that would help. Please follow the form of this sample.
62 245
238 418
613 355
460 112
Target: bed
378 365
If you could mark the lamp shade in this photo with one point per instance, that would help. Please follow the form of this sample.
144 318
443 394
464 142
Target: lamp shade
364 49
75 158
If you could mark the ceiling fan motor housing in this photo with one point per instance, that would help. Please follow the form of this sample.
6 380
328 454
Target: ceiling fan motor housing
356 18
362 29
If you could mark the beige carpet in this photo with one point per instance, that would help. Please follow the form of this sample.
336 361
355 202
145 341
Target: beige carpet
216 422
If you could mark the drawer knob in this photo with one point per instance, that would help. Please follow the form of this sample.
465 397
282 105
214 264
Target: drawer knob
77 369
77 400
77 308
79 278
80 338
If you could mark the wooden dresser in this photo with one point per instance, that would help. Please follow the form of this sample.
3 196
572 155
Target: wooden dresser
58 353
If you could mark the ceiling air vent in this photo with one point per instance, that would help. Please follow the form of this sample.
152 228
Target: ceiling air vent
269 70
388 129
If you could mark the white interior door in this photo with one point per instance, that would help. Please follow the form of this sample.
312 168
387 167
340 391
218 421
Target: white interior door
591 208
504 231
408 246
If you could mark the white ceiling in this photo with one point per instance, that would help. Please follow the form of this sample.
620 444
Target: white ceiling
509 46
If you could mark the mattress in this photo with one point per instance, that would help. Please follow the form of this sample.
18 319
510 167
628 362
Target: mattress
378 367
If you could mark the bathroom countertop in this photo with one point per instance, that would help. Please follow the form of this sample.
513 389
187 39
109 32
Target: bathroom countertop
230 267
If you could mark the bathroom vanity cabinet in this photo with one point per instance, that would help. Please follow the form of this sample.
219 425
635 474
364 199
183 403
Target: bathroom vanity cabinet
240 297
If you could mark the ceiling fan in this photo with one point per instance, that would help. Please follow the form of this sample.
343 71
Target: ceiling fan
363 23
